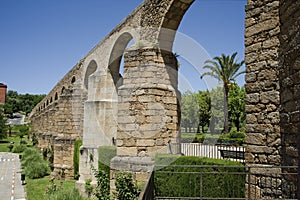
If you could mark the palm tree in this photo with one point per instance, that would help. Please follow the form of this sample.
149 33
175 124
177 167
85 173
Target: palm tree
224 69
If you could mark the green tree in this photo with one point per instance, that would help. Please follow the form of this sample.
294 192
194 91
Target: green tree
204 114
3 126
21 102
217 110
236 106
13 101
189 110
24 130
225 69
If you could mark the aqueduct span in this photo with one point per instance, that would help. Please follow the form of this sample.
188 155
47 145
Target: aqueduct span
94 103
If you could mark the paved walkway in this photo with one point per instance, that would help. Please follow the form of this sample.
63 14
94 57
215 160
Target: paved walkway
11 187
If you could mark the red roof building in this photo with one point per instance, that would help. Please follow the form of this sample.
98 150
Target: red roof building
3 88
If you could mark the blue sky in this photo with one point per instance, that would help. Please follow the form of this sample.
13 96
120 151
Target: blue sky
41 40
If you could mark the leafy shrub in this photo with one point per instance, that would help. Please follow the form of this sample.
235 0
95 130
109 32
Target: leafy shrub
105 154
77 145
28 155
88 187
19 148
180 180
23 142
33 164
234 137
125 187
235 134
102 189
37 170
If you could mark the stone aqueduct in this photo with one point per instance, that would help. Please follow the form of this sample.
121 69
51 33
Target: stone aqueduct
94 103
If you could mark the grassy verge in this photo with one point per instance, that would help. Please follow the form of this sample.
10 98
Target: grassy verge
15 139
36 188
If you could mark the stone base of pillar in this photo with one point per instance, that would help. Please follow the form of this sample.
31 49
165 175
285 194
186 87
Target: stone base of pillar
140 167
80 185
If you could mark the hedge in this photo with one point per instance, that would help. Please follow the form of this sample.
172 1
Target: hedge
234 138
105 154
76 155
217 182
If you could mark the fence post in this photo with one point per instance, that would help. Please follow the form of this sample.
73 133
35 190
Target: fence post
201 183
249 182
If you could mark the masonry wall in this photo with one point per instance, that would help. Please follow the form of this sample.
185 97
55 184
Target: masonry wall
263 138
289 75
148 103
57 121
262 83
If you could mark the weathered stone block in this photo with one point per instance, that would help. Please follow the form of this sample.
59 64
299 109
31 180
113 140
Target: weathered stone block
260 149
252 98
261 26
145 142
255 138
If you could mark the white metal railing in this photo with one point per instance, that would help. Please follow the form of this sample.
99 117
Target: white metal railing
207 150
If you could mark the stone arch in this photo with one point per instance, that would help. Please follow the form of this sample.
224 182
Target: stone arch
171 22
116 57
162 21
91 68
56 97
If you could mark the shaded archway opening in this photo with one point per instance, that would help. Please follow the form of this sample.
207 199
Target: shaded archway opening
92 67
116 67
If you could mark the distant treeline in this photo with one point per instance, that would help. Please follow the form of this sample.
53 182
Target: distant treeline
23 103
203 111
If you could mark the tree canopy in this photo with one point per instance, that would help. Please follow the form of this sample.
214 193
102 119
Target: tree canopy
21 102
204 109
225 69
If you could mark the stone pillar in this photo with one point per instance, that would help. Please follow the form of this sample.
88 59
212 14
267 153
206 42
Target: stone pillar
148 105
263 137
100 127
63 158
289 74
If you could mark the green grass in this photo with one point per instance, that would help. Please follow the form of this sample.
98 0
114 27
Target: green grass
4 146
5 142
36 188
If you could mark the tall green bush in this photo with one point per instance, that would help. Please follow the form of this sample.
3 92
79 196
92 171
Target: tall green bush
33 163
125 187
77 145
